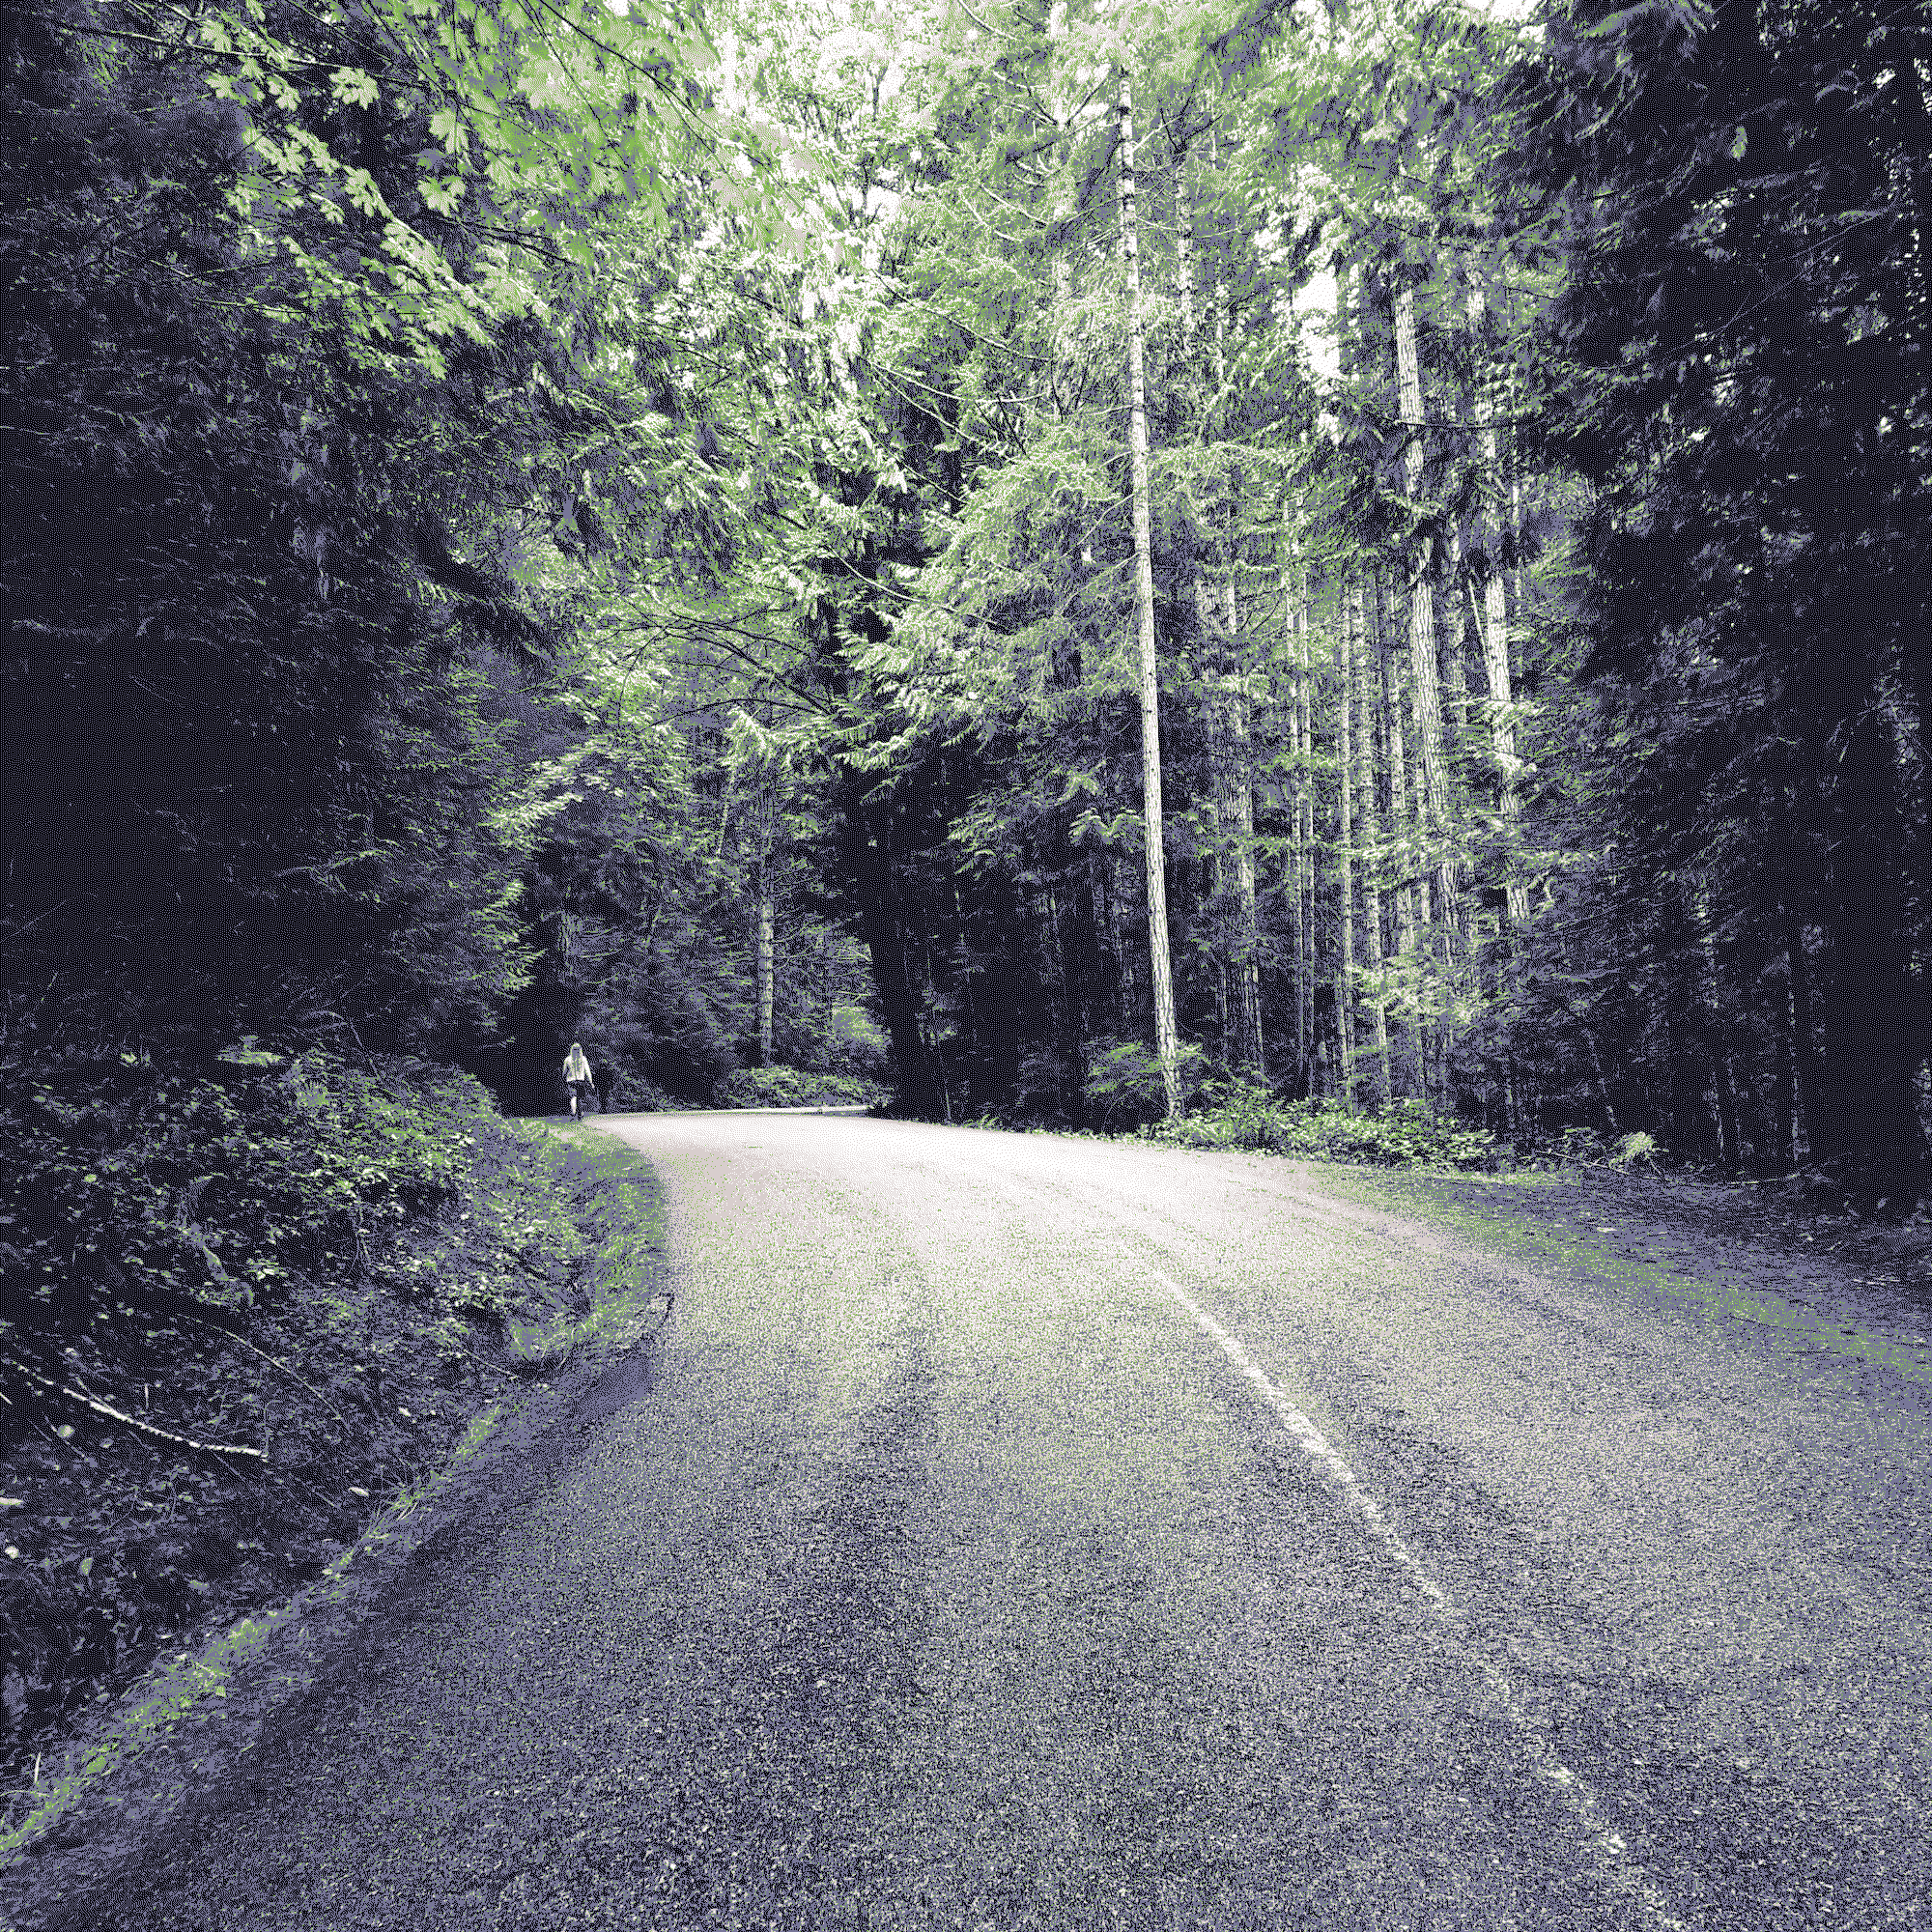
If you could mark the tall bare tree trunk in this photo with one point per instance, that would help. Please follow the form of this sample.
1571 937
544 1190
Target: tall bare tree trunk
1493 621
1453 669
763 817
1251 1050
1346 620
1304 728
1723 1078
1401 836
1230 811
1362 680
1426 684
1455 672
1166 1043
1301 840
766 975
1216 851
1231 803
1210 644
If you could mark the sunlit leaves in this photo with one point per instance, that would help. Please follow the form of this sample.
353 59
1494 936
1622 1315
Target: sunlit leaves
447 126
354 88
537 120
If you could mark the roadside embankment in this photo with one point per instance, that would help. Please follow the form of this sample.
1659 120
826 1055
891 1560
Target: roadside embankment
1719 1254
250 1324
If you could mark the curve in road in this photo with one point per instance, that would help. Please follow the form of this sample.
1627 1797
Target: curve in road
1020 1531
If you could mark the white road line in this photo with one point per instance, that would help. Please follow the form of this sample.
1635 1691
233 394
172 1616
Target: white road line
1609 1854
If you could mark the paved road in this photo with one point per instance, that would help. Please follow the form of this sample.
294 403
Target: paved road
1038 1532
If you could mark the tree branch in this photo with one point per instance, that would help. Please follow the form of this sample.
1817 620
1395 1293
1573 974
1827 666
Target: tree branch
130 1421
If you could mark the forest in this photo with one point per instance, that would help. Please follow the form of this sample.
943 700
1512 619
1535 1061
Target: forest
1268 568
1079 559
1087 560
1373 550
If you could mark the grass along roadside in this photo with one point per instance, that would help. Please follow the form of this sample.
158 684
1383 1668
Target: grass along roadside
1725 1255
620 1208
1728 1252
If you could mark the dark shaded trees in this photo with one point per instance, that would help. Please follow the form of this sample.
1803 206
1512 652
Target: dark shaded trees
258 577
1741 366
337 412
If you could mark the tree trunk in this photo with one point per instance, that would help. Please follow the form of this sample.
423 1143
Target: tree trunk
1805 1076
1112 996
1368 839
1250 1048
1867 1130
1730 1145
1402 840
1305 750
868 843
1160 961
762 819
1492 623
1126 957
1783 1150
1299 881
1229 732
765 969
1231 807
1215 913
1347 617
1453 669
1426 686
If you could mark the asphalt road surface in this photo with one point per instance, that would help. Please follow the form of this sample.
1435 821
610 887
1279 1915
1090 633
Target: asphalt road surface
1043 1532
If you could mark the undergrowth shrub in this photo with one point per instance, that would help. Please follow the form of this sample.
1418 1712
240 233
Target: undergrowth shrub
1407 1133
793 1086
1586 1147
236 1312
631 1093
1124 1087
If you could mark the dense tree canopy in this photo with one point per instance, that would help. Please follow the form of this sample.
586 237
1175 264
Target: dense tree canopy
697 532
1742 368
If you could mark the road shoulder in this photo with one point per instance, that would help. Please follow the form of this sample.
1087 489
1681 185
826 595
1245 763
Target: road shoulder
1723 1257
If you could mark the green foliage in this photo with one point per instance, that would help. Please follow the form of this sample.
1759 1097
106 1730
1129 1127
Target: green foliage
132 1186
484 539
1740 364
1406 1134
1124 1086
244 684
1586 1147
1232 1113
350 393
1650 859
408 172
794 1087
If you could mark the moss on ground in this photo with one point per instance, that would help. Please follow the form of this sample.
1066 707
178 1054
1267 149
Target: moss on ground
1723 1254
